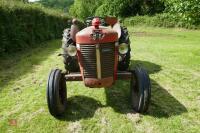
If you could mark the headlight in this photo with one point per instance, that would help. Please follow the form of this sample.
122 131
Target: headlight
123 48
71 50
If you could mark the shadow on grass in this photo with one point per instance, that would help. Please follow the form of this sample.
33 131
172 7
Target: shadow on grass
80 107
163 104
13 66
152 68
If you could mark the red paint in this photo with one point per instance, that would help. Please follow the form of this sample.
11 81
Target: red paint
96 22
111 20
116 63
84 36
80 62
98 83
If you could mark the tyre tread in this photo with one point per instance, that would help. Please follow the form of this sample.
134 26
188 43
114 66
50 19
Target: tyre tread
144 86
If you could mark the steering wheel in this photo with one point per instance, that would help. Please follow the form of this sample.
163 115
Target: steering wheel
89 20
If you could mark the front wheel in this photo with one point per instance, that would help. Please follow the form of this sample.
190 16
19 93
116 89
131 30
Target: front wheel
56 93
140 90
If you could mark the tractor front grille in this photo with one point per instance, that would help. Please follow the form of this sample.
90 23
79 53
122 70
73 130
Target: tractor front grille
89 59
88 53
107 58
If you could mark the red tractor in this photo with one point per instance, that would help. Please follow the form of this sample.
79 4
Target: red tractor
98 54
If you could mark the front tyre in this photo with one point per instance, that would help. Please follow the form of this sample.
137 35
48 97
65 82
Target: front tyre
56 93
140 90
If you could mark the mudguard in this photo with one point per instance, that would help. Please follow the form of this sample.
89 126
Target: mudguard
73 31
117 28
111 20
75 28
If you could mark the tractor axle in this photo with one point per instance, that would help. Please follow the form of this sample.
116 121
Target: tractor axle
121 75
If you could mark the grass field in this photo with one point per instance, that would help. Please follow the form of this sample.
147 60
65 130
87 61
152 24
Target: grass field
172 58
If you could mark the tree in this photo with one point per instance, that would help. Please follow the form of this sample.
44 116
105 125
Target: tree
188 11
123 8
60 4
84 8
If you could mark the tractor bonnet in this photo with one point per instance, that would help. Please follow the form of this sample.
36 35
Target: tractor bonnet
97 54
93 35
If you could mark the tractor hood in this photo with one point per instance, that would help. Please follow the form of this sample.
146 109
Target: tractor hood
93 35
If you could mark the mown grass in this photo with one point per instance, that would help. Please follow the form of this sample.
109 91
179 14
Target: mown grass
171 56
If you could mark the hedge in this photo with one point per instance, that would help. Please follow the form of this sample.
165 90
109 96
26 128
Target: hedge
27 25
159 20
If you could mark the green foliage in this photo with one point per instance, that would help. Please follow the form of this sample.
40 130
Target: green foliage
113 8
126 8
58 4
25 25
84 8
180 13
119 8
187 11
159 20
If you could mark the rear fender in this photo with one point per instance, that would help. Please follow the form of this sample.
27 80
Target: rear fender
111 20
117 28
73 31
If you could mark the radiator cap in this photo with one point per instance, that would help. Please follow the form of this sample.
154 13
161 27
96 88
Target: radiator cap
96 22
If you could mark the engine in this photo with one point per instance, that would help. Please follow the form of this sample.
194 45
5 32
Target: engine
97 51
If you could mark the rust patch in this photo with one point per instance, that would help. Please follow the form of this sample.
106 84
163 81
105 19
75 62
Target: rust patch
111 20
98 83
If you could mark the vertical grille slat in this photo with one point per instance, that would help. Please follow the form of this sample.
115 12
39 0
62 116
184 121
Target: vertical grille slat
89 61
88 53
107 59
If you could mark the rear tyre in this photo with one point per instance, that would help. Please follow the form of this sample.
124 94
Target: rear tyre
140 90
56 93
124 63
71 63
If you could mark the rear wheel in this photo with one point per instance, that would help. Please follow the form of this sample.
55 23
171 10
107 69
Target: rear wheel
56 93
140 90
123 64
71 63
